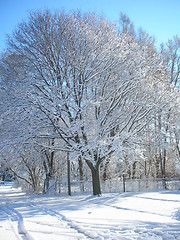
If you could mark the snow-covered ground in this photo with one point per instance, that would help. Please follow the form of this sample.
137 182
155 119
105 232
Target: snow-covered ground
153 215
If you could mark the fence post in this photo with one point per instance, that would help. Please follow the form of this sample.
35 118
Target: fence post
124 183
69 174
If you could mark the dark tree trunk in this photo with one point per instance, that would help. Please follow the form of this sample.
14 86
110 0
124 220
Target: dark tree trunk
80 169
162 164
96 181
3 177
95 178
46 181
133 170
157 166
164 170
105 175
81 175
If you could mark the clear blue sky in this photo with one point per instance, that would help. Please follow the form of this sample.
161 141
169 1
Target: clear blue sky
160 18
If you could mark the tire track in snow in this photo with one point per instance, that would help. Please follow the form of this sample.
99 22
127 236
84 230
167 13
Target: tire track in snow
15 216
64 219
12 226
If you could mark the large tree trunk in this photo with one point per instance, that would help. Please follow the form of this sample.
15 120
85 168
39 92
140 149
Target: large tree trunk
96 181
95 178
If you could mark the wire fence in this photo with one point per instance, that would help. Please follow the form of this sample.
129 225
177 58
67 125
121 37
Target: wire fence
117 185
141 185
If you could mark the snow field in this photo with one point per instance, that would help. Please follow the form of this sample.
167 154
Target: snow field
128 216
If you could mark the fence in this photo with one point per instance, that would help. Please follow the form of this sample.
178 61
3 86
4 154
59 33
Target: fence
118 185
141 185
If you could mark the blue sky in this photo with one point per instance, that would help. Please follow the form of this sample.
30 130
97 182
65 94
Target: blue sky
160 18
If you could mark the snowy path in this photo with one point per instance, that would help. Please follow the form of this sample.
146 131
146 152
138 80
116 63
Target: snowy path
154 216
20 219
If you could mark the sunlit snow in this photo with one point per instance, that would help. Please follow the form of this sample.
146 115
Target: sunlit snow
153 215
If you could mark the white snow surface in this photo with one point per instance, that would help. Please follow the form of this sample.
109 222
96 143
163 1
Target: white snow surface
150 215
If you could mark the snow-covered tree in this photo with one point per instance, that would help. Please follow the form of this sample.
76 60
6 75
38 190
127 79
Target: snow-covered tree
21 123
96 87
86 77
